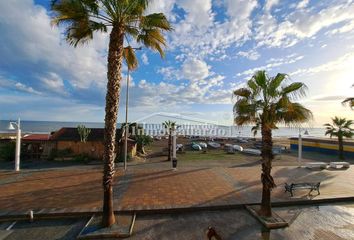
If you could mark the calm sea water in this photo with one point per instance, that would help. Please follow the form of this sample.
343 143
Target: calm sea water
232 131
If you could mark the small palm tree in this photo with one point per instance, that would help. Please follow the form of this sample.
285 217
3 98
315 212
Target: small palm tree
170 127
266 102
341 128
126 21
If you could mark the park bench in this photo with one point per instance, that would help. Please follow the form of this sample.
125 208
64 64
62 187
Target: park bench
341 164
311 186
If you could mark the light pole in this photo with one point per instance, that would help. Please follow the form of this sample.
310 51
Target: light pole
126 118
18 142
300 146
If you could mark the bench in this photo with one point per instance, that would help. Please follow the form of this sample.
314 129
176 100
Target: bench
336 164
321 165
311 186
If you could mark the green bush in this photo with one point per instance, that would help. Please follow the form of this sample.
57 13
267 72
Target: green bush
84 158
64 153
53 154
67 152
120 158
7 151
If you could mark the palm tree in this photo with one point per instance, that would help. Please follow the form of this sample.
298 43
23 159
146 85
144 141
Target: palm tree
266 102
170 127
341 128
126 21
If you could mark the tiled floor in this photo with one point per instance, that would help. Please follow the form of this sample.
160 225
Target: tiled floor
160 189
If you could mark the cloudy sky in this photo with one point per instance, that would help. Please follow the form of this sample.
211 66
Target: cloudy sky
215 48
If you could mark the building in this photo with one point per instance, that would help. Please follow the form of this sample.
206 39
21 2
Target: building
323 145
69 138
36 146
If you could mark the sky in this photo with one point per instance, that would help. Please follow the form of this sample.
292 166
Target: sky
215 48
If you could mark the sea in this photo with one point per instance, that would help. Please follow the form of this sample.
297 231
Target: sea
157 129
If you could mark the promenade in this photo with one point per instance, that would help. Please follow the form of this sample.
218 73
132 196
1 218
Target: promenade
80 190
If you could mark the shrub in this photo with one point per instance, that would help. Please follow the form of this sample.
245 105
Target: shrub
63 153
84 158
52 154
7 151
120 158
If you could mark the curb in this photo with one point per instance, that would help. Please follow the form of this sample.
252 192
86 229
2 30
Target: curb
76 213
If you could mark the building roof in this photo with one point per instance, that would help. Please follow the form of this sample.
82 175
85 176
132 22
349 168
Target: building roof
71 134
36 137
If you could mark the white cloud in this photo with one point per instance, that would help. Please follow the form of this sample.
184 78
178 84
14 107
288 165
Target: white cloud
53 82
251 55
162 6
199 35
170 73
348 27
301 24
145 59
203 86
270 4
303 4
198 12
240 10
343 62
42 46
271 64
195 70
17 86
24 88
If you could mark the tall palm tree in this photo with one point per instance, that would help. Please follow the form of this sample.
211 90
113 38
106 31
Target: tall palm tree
341 128
125 20
170 127
268 101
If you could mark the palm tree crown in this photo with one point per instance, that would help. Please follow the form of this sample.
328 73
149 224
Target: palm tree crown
341 127
268 101
82 18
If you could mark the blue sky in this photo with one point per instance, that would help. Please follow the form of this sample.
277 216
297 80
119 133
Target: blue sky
215 48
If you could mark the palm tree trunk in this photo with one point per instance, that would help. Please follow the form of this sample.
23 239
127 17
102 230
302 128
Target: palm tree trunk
266 177
341 148
115 58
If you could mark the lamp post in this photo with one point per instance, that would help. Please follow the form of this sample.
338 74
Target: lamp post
18 142
300 146
126 118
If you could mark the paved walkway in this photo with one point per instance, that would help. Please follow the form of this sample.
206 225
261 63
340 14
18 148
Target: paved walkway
137 189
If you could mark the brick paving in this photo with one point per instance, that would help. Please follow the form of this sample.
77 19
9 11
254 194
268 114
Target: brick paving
139 189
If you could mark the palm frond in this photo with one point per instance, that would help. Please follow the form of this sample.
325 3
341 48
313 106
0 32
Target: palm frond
152 38
155 20
294 114
261 78
252 85
275 83
134 7
349 101
295 90
242 92
243 120
77 16
130 58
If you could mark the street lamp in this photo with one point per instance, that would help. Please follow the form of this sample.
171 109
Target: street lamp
126 118
17 126
300 146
